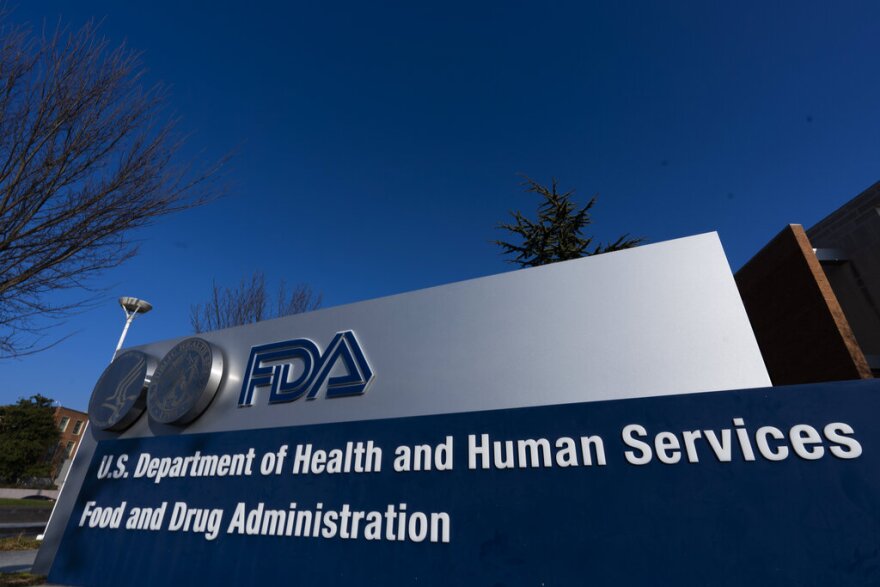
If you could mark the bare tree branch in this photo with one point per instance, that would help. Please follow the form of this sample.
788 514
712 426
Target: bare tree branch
86 156
248 303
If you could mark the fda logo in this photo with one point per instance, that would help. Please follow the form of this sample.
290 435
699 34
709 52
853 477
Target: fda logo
294 368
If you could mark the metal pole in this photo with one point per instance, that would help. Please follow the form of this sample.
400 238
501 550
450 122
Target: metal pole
132 307
129 318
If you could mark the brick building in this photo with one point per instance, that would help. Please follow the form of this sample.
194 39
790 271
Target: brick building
813 297
71 424
847 244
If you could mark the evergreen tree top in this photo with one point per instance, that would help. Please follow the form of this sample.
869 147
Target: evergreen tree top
558 232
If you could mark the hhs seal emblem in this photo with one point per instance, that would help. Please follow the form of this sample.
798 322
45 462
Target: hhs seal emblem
119 396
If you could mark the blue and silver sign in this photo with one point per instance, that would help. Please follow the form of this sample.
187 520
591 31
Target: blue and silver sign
335 446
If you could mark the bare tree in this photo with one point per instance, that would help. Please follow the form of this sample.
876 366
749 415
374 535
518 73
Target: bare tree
249 302
86 155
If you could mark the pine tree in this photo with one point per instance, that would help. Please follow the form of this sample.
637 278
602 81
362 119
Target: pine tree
557 234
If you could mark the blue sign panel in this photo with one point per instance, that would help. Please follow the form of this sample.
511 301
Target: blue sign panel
764 486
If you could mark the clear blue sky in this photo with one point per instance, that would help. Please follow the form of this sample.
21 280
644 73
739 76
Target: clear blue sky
378 143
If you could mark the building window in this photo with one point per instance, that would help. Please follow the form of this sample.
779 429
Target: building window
68 449
77 427
62 425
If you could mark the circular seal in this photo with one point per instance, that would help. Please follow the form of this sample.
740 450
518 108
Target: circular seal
185 382
119 397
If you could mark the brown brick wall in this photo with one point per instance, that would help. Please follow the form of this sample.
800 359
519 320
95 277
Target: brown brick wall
798 323
72 432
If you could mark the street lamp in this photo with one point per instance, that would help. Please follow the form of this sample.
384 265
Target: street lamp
132 307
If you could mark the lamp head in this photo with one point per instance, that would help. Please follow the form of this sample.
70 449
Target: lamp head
131 305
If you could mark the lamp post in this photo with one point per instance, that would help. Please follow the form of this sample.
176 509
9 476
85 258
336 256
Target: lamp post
132 307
